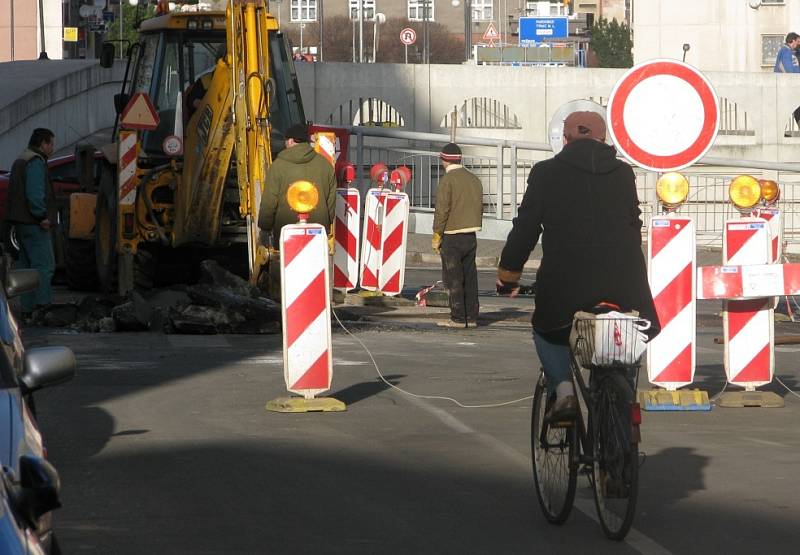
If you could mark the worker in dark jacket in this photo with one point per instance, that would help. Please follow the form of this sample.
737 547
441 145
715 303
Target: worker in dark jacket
458 215
584 205
32 212
297 162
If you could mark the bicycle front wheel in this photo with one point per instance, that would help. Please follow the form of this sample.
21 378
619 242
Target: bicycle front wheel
554 474
616 455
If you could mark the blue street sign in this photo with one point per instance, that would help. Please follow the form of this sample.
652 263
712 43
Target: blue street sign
535 29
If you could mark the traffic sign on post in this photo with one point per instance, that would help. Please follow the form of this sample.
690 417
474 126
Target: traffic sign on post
491 34
663 115
139 113
408 36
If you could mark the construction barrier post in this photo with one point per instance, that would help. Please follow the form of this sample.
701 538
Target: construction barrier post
306 311
671 355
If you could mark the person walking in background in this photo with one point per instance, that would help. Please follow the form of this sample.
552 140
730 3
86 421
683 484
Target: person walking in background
459 214
32 212
786 61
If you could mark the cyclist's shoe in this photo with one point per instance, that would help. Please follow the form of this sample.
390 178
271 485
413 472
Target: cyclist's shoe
451 324
565 408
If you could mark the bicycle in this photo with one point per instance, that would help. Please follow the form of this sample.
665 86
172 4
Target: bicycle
605 442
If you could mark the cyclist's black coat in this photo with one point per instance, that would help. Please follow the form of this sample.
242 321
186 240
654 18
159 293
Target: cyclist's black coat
584 205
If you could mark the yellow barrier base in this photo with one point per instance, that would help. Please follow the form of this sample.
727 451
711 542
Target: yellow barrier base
299 404
761 399
685 399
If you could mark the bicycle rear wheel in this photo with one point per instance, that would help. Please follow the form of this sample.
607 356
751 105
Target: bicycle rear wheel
615 469
554 474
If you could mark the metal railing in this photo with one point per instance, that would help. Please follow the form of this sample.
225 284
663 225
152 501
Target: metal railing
503 167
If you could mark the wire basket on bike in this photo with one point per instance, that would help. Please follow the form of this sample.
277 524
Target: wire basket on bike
608 340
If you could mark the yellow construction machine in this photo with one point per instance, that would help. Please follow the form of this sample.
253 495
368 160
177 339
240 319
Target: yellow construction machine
187 185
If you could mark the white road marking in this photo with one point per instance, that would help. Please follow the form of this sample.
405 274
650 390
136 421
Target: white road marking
765 442
636 539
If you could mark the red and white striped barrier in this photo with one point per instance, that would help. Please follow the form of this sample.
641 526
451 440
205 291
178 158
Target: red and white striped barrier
128 153
671 272
748 324
773 217
305 306
383 252
748 282
346 237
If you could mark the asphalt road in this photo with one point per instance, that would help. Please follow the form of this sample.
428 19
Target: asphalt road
164 446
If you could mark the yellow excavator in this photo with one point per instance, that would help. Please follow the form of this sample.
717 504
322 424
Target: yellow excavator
192 186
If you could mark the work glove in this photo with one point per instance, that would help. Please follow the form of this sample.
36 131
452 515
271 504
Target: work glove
331 244
436 243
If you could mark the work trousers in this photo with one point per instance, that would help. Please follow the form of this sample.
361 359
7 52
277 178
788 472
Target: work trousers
36 252
460 275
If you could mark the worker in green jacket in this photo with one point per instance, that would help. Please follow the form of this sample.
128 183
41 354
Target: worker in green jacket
32 212
458 216
297 162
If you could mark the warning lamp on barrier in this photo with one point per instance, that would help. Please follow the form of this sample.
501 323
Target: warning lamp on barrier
744 192
770 192
345 173
379 173
672 190
400 177
302 197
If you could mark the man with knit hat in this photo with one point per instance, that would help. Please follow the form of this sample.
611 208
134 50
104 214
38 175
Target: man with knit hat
458 215
583 204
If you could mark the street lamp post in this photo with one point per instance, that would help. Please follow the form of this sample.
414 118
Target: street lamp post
467 27
426 49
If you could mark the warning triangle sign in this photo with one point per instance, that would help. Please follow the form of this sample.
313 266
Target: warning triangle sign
139 113
491 33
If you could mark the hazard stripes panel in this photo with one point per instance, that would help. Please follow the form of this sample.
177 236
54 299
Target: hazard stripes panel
383 250
671 271
393 247
346 235
773 217
128 152
307 360
741 282
748 325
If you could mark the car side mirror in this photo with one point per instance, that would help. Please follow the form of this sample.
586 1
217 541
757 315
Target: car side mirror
46 366
21 281
39 488
107 55
120 101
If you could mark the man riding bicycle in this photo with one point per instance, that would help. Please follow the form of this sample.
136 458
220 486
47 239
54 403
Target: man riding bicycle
583 203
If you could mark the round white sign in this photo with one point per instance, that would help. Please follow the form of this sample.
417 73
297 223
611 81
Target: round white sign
172 146
663 115
556 129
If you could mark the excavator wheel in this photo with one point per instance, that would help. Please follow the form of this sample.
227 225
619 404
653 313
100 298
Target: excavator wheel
105 236
81 269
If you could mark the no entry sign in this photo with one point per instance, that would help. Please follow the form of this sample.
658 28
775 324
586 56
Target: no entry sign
663 115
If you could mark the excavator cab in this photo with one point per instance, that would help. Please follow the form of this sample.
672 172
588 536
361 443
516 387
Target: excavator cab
177 50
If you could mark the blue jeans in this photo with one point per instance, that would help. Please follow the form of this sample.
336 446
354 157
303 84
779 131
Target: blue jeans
555 361
36 251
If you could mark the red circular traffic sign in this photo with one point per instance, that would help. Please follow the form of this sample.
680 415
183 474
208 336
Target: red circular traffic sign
408 36
663 115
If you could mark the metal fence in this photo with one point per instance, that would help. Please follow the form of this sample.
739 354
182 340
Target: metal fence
503 167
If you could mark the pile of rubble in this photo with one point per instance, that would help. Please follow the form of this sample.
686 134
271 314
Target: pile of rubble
220 302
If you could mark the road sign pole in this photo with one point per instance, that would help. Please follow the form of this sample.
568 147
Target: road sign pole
406 53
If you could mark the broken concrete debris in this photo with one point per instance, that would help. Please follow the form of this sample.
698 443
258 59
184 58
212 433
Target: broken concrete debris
220 303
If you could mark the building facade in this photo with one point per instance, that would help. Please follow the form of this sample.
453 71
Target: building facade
20 36
722 35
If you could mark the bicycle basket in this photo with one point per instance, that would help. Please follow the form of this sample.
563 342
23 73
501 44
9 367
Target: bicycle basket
611 339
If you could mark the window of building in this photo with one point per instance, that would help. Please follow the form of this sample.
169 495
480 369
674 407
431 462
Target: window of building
369 9
417 9
770 44
482 10
304 10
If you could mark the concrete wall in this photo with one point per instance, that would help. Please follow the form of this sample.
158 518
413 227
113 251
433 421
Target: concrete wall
424 94
73 98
